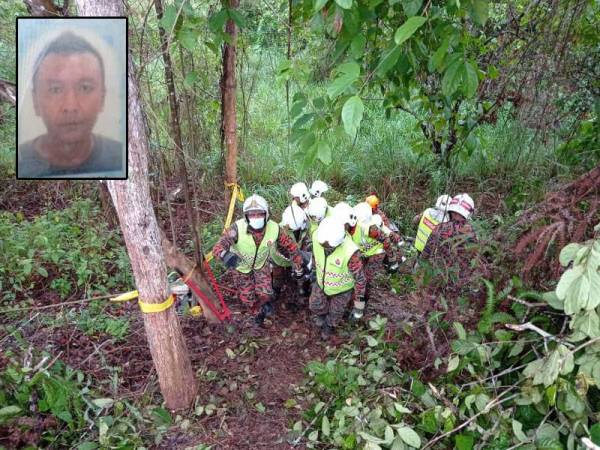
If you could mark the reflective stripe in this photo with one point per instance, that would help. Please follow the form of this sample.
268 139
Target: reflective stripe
333 274
427 225
251 257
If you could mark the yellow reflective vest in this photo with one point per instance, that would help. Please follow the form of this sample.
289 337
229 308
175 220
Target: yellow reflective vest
333 275
254 257
284 261
427 224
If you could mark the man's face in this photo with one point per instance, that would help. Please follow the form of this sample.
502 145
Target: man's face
69 95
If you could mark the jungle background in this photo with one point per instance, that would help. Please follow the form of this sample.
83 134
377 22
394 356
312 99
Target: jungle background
406 98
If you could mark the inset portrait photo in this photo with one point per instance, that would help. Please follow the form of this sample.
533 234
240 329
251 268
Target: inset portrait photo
72 98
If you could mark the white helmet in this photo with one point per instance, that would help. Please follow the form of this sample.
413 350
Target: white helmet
331 231
363 213
317 208
344 212
376 220
299 190
318 188
256 203
295 218
442 202
462 204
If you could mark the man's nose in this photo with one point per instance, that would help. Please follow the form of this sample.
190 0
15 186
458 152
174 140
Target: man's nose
70 101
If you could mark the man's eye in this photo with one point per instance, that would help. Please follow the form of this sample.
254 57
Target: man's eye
86 88
55 89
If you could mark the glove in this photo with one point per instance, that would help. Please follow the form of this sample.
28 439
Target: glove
231 260
357 314
298 273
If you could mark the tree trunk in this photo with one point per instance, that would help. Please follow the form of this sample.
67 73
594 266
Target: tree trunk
142 238
228 97
176 130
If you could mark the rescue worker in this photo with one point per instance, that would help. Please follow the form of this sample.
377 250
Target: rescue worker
246 246
339 274
430 219
374 202
300 195
376 247
318 188
294 222
317 211
452 251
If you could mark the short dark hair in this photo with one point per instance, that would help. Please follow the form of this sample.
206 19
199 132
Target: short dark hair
66 43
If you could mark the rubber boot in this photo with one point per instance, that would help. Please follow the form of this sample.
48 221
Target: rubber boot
326 331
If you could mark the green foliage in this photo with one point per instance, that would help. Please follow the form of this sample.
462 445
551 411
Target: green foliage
93 320
44 391
61 251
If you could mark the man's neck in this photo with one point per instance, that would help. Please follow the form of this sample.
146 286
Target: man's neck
59 154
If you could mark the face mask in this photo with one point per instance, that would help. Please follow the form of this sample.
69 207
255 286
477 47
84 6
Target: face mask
257 222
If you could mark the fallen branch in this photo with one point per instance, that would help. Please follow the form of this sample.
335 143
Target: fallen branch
531 327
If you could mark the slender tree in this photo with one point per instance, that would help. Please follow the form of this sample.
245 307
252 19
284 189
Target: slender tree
143 240
228 104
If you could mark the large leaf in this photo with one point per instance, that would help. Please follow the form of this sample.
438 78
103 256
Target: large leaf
324 152
409 28
588 323
168 19
479 11
471 81
566 280
567 254
346 4
464 442
188 37
348 73
319 5
409 436
352 114
452 78
411 7
388 60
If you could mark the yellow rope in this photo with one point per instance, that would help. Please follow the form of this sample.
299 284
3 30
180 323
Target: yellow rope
156 307
235 194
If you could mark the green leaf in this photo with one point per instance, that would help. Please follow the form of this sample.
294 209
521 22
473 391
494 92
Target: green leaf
162 417
452 78
388 60
87 446
43 272
471 81
217 21
346 4
260 407
188 38
437 59
595 433
398 444
9 411
518 431
352 114
552 299
411 7
453 363
324 152
319 4
479 11
567 254
357 46
371 341
565 282
168 19
103 402
464 441
348 74
235 15
409 436
409 28
588 323
370 438
325 428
